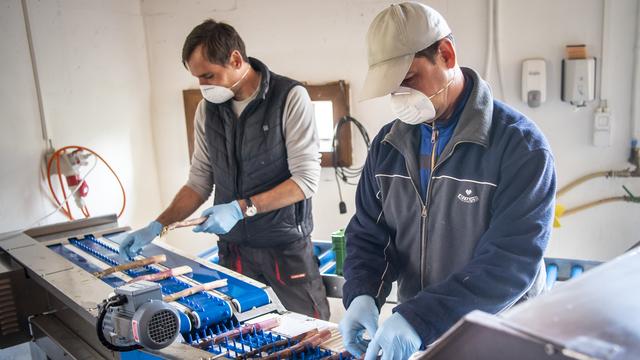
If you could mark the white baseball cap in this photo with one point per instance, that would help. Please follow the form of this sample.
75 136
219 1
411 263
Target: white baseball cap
394 37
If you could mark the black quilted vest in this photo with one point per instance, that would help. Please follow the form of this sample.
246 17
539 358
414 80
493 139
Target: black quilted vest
248 156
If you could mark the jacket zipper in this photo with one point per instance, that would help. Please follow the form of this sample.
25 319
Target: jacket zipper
434 167
434 147
424 237
424 210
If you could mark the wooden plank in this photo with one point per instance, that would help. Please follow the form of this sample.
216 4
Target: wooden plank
191 98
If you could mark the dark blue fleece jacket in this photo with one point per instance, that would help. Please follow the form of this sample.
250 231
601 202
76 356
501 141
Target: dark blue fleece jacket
478 239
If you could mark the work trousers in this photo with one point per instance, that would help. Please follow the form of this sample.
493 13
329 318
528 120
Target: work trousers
291 270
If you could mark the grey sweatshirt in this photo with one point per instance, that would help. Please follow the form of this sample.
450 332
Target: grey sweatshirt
301 139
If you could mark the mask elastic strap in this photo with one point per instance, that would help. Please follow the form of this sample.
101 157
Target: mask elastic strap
242 78
446 95
444 88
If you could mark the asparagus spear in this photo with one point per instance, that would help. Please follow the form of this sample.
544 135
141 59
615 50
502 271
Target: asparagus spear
311 342
232 334
277 344
180 270
156 259
195 289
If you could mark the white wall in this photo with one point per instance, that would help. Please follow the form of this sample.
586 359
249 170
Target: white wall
606 231
20 139
93 68
322 41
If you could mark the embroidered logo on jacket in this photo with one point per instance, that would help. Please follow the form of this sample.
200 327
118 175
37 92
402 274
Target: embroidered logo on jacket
469 199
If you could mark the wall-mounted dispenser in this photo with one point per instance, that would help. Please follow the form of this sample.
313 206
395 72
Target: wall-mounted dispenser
579 81
578 76
534 82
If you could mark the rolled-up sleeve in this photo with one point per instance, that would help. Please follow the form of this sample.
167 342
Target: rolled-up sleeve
302 142
200 174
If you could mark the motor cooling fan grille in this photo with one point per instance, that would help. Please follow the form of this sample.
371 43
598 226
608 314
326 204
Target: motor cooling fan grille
163 326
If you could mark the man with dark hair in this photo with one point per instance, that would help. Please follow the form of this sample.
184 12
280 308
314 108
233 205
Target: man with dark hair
455 202
256 141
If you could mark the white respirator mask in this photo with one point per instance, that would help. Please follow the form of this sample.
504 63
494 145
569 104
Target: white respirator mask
413 107
219 94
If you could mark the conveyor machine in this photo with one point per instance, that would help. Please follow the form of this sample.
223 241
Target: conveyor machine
49 293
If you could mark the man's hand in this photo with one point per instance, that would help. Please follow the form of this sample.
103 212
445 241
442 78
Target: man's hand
397 339
221 218
361 315
134 242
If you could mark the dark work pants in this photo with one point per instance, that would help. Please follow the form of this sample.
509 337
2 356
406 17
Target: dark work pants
290 270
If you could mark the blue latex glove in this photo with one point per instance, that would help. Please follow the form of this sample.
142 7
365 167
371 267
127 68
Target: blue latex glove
134 242
222 218
397 339
361 315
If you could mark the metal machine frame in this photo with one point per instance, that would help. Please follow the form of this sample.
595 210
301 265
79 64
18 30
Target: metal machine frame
54 302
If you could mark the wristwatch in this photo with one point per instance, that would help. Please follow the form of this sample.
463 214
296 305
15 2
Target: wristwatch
251 208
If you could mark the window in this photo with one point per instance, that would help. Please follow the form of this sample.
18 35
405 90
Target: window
331 103
323 110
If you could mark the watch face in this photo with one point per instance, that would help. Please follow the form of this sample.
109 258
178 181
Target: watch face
251 210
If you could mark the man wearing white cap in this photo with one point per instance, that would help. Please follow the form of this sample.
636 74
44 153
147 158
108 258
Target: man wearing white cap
455 202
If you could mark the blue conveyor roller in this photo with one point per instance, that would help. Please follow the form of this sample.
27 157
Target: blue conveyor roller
207 309
246 295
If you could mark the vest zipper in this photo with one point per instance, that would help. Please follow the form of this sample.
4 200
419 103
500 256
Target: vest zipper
240 120
238 156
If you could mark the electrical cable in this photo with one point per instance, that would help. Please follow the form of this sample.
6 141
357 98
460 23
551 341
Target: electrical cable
34 70
487 63
44 186
64 193
65 200
61 204
113 301
59 207
346 174
635 95
496 33
85 210
602 89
